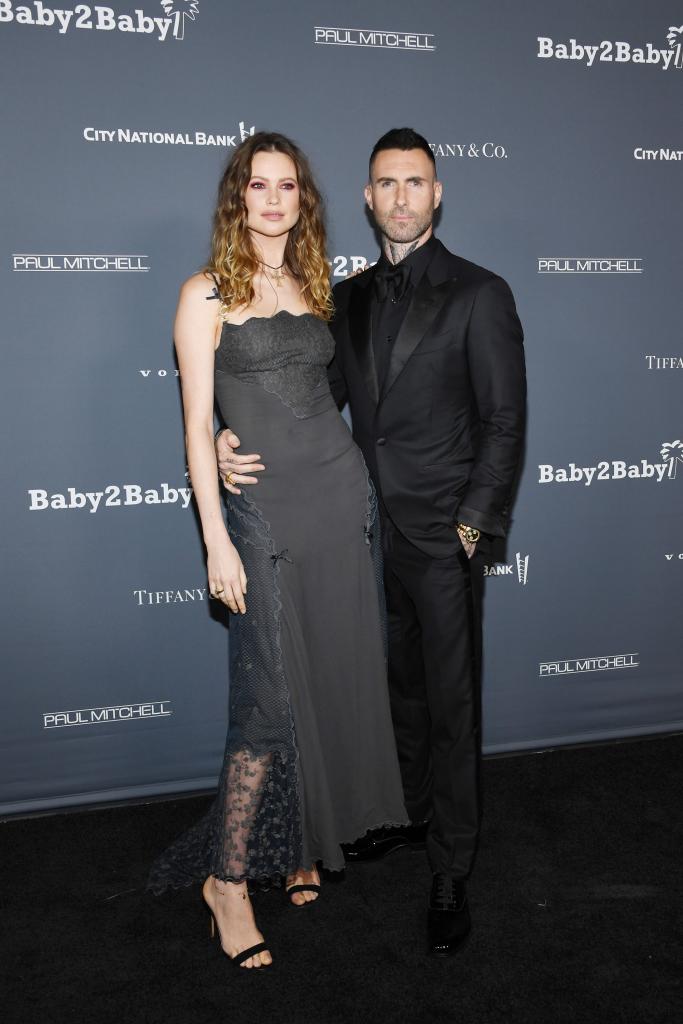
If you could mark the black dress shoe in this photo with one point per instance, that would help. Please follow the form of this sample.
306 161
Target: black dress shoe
448 916
381 841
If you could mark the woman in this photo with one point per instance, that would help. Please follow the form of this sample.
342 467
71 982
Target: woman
310 761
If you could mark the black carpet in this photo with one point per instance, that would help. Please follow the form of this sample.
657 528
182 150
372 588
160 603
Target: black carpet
576 902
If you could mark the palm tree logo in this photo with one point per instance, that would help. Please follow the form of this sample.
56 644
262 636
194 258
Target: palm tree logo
672 452
179 10
675 39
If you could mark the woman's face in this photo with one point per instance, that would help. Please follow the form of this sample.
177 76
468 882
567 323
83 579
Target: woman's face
272 195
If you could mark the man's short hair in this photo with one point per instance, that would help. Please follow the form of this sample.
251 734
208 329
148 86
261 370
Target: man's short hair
402 138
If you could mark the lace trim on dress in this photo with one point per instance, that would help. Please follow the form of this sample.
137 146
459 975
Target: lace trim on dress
294 370
294 391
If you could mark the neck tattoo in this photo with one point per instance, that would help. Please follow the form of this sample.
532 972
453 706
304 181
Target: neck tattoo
397 251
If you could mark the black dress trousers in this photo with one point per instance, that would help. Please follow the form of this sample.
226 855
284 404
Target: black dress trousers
434 625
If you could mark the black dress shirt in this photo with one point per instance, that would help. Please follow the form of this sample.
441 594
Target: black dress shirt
387 316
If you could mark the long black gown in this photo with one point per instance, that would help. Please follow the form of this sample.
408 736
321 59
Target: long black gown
310 759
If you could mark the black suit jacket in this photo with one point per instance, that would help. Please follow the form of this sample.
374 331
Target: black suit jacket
443 439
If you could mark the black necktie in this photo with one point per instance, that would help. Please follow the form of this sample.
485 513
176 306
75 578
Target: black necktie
391 282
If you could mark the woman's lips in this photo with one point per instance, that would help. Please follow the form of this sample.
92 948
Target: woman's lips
273 216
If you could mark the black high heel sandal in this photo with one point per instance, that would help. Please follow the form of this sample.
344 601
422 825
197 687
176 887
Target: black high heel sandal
244 954
239 958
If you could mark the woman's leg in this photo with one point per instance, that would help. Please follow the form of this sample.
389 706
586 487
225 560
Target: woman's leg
229 901
234 915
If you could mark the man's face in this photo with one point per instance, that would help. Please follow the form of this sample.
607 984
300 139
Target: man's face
403 193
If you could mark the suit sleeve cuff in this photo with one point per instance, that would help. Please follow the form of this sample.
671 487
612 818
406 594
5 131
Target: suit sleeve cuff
481 521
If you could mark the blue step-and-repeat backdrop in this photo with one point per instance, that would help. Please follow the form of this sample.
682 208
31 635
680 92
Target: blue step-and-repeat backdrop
558 136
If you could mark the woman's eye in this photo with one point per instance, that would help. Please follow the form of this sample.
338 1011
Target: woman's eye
289 185
256 184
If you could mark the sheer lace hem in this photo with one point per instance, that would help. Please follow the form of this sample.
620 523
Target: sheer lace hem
160 882
249 832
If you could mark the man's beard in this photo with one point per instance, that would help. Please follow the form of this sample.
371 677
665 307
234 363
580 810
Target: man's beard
405 232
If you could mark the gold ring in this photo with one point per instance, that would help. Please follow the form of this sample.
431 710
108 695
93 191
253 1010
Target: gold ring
229 479
217 592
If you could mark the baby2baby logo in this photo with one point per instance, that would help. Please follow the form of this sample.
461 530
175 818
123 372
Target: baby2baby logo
671 454
104 19
609 52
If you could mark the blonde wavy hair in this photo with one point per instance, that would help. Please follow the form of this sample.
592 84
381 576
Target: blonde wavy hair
233 256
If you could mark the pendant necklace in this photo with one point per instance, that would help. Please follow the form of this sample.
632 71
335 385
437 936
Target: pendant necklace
274 291
278 274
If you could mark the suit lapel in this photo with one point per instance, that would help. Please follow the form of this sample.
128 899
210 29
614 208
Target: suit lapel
426 303
360 330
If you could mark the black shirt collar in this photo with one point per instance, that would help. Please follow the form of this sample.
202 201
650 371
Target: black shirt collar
418 260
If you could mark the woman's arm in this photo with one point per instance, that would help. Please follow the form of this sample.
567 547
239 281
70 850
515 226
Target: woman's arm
195 341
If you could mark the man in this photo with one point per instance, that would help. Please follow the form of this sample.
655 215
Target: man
429 357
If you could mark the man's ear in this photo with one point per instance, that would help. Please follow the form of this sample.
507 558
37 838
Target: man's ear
368 195
438 192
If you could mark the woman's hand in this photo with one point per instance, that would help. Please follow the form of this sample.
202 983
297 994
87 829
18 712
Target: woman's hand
227 578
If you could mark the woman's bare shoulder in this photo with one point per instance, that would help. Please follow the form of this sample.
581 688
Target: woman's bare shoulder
198 286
